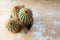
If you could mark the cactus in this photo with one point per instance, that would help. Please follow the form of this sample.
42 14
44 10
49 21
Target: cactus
21 20
13 26
15 11
26 17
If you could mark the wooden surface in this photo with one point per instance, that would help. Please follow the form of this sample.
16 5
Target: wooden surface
46 20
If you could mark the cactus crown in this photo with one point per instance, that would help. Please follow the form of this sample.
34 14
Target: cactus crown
25 11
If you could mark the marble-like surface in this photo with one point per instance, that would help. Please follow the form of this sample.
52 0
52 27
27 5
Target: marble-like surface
46 20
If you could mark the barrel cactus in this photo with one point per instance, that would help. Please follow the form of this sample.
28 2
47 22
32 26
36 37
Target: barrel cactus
26 17
21 20
15 11
13 26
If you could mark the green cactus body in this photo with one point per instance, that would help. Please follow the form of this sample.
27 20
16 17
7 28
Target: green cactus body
15 11
13 26
25 16
22 22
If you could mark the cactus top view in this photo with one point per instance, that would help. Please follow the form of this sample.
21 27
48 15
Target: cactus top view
26 17
24 20
13 26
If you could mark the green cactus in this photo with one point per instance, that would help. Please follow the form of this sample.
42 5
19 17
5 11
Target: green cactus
25 16
13 26
23 22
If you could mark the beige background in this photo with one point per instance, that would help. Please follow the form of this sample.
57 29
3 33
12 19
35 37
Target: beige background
46 15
